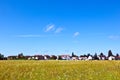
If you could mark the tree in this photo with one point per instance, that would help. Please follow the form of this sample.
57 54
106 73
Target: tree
73 55
53 57
117 55
101 54
59 58
1 56
96 57
110 53
88 55
21 56
85 55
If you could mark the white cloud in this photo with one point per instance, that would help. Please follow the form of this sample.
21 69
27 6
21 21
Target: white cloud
58 30
114 37
50 27
76 34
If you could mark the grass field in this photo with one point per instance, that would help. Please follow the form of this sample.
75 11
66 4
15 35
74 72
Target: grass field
59 70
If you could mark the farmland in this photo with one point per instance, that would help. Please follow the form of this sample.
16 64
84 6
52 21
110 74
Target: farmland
59 70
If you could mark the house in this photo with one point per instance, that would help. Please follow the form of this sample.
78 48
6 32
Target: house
75 58
38 57
102 57
46 57
53 57
117 57
12 57
83 57
89 58
35 57
111 58
64 57
27 57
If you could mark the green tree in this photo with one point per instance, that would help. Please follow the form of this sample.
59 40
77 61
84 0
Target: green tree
73 55
101 54
1 56
21 56
117 55
110 53
53 57
88 54
96 57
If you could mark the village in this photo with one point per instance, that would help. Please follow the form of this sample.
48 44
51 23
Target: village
101 56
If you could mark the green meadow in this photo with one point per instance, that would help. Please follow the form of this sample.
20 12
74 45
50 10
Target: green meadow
59 70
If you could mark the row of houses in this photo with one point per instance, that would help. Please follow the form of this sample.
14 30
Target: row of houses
35 57
67 57
63 57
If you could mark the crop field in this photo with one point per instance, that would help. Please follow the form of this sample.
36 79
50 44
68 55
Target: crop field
59 70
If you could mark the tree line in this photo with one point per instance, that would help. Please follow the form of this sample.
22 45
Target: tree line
95 56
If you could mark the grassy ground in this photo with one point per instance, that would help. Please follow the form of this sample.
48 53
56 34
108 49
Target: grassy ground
59 70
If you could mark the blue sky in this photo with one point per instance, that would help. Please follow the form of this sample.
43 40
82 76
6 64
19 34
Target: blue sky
59 26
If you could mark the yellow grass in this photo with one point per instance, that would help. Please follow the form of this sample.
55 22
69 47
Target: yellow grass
59 70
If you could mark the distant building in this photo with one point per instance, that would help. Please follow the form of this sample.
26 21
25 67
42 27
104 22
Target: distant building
102 57
75 58
46 57
12 57
89 58
65 57
111 58
117 57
